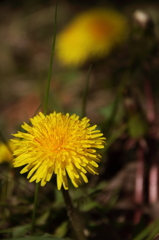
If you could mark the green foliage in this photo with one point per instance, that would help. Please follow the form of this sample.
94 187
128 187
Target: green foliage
137 126
149 232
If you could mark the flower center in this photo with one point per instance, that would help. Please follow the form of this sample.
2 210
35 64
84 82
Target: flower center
100 28
58 141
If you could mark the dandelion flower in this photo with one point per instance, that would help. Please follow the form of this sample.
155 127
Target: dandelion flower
5 153
91 35
59 144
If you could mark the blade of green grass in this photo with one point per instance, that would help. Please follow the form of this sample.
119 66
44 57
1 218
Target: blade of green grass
51 62
153 234
147 231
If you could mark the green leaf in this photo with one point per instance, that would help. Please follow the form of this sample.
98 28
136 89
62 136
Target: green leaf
153 234
137 126
62 229
89 205
43 218
107 111
20 230
148 231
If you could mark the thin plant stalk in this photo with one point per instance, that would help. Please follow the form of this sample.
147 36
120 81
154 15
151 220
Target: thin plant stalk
85 94
45 112
74 217
51 63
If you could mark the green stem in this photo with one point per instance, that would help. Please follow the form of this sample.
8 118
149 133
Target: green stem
74 217
84 102
51 62
35 206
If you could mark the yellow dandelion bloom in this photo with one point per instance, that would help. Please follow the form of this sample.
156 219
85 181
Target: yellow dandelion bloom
60 144
5 153
90 35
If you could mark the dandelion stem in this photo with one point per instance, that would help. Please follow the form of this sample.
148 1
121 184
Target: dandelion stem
35 206
73 216
84 102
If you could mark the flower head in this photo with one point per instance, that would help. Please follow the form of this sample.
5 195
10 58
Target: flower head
91 34
5 153
60 144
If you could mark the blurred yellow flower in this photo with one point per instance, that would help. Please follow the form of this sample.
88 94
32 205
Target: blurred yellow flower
91 35
60 144
5 153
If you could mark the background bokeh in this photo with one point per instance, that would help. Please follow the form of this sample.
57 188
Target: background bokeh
122 202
